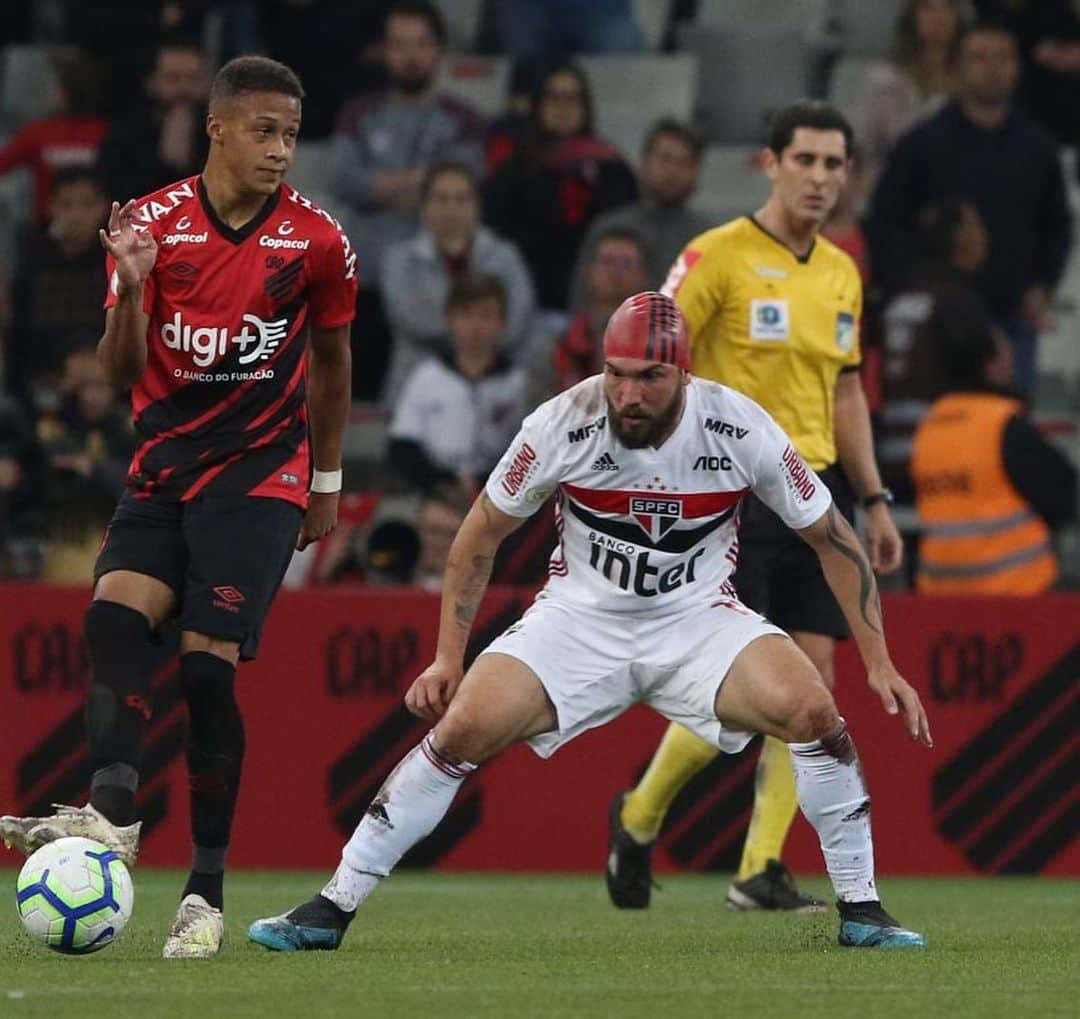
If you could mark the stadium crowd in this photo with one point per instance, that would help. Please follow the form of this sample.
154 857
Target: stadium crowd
492 251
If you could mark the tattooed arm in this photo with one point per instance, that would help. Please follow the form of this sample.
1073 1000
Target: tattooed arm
851 578
468 570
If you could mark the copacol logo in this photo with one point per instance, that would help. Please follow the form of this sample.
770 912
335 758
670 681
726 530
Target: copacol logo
55 768
1006 799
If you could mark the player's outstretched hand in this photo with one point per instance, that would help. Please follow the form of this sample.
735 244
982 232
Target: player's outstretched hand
899 696
320 518
431 691
134 251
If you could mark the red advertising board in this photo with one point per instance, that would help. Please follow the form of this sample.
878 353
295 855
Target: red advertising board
325 724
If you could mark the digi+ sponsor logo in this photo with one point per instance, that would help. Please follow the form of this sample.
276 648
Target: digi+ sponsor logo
257 340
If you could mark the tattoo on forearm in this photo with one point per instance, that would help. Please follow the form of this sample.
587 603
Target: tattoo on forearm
845 541
474 583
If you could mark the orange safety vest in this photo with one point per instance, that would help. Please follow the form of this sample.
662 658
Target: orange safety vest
979 535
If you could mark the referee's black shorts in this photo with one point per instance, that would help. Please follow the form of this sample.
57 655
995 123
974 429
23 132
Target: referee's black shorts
224 556
779 575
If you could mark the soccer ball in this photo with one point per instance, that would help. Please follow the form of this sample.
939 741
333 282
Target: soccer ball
75 895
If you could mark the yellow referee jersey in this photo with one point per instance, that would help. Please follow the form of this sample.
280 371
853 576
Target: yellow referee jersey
774 326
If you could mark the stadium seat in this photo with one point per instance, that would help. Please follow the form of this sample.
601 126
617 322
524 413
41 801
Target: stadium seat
631 92
462 22
479 81
663 85
746 71
732 184
651 16
865 27
27 82
803 14
847 82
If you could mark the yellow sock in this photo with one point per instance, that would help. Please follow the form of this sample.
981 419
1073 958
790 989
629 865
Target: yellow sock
775 804
680 756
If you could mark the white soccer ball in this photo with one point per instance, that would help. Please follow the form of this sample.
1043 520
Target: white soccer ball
74 895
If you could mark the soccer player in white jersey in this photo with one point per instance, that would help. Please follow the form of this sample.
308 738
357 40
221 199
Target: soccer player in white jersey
649 465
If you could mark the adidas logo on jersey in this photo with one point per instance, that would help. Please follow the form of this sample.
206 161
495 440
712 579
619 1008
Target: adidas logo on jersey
604 463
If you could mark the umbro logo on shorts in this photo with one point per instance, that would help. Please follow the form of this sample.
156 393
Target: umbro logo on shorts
228 598
604 463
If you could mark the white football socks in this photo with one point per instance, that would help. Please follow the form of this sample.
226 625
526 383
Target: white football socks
833 795
411 802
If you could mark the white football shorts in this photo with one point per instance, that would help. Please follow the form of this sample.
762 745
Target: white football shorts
594 666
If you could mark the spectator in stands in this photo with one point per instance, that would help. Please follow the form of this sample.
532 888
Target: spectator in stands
417 274
71 137
334 47
557 181
936 305
506 131
385 141
982 148
87 446
989 489
458 413
1048 32
913 82
20 491
438 519
617 270
560 28
379 153
162 138
670 167
59 284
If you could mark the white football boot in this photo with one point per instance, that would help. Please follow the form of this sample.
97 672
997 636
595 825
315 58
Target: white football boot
28 834
196 932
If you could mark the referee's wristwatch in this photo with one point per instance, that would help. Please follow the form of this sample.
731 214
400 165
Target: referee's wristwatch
885 496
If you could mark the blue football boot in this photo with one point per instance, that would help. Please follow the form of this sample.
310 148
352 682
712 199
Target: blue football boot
867 925
317 924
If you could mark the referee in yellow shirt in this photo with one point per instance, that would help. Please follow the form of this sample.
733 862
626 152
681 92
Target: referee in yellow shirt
773 310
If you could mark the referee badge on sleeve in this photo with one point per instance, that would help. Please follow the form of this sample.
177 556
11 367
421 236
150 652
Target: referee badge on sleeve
845 331
769 320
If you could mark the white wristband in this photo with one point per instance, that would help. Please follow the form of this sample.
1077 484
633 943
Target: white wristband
326 482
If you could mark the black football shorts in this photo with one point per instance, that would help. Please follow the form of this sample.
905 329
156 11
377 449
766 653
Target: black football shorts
779 575
223 555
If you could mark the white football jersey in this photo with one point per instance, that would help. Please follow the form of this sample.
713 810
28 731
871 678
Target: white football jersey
651 531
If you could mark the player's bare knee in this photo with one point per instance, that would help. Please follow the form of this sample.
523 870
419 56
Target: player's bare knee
814 718
462 738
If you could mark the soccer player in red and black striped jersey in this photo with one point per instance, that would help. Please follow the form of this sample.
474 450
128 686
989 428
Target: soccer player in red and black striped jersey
228 313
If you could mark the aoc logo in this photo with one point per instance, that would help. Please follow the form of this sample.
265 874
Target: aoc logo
521 467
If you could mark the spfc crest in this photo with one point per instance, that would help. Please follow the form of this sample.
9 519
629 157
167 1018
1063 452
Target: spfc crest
655 516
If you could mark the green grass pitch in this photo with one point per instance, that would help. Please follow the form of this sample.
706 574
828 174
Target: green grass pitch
449 945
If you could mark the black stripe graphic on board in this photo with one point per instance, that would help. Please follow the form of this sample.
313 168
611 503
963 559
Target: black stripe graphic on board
1039 698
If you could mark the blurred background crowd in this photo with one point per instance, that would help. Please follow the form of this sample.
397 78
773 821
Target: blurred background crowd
508 172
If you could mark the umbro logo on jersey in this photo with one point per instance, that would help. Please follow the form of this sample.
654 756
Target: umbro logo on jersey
604 463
